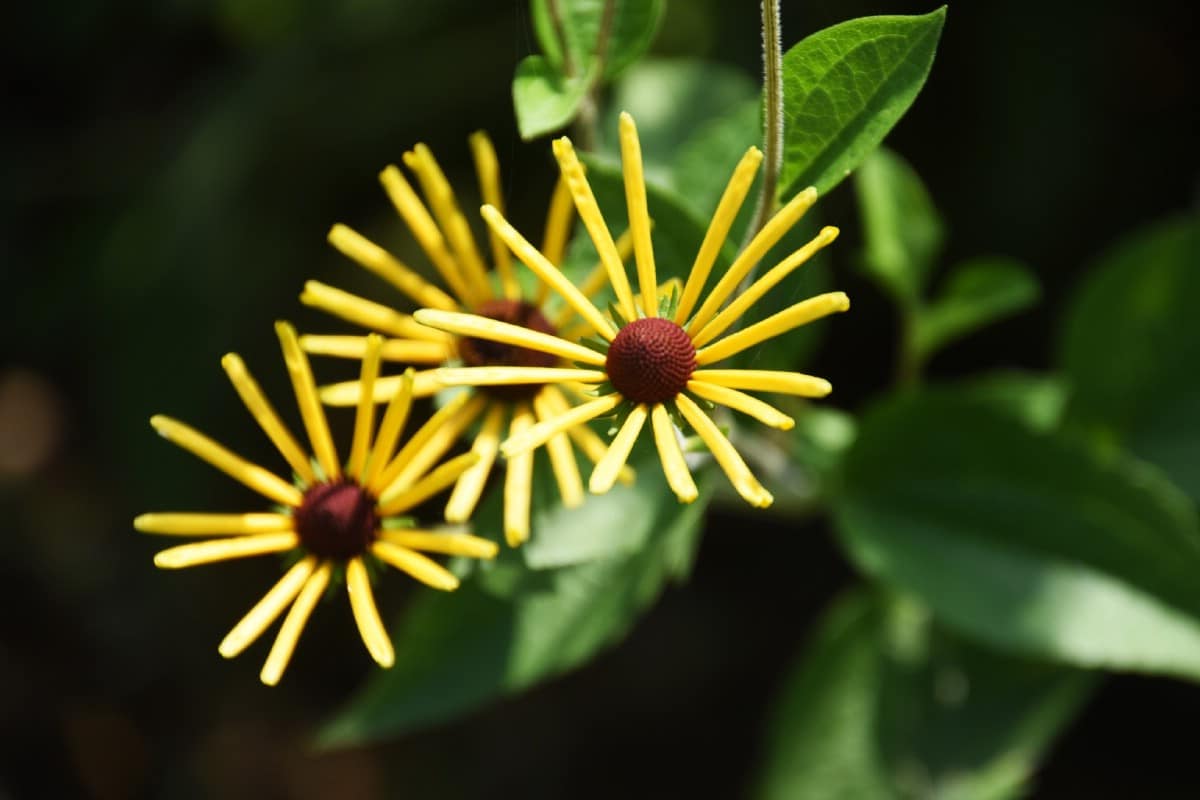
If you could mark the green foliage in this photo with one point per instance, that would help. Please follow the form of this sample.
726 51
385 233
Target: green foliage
902 229
977 293
633 25
545 100
1027 541
580 49
1038 401
511 626
1131 349
884 704
844 88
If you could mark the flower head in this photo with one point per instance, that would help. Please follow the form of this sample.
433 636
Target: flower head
493 296
658 363
334 519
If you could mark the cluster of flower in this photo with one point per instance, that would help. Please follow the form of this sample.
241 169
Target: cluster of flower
541 361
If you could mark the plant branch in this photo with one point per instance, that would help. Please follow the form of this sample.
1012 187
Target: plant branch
773 117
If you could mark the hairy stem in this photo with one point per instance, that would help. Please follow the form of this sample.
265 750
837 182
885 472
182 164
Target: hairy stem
583 130
773 117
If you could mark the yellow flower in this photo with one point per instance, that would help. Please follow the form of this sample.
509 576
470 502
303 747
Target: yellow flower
442 231
651 362
333 518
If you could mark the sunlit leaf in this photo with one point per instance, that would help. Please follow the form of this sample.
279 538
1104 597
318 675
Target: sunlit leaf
631 30
884 704
1024 540
844 88
544 100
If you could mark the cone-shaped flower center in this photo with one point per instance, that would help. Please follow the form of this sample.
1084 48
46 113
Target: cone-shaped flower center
486 353
336 520
651 360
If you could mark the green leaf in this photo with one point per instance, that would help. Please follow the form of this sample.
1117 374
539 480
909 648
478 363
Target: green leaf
844 88
544 100
885 705
701 166
1039 401
510 627
1131 348
903 231
978 292
633 26
672 100
1023 540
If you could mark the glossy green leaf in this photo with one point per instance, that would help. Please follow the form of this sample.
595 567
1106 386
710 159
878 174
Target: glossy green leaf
883 704
509 627
902 229
544 100
1131 348
632 29
1024 540
844 88
977 292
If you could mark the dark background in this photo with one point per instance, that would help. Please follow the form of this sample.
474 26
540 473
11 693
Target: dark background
170 170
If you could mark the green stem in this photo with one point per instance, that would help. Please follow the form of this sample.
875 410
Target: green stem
909 363
583 130
773 117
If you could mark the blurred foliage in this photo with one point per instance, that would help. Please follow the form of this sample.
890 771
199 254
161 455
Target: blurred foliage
170 173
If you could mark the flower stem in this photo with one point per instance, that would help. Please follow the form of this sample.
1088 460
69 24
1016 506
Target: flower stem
583 131
773 117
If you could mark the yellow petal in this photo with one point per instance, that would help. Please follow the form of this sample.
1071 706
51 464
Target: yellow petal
440 196
473 326
584 437
401 498
671 455
593 220
429 442
262 410
503 376
763 380
748 259
372 316
518 481
537 435
406 351
744 301
366 615
639 216
306 397
591 285
487 169
394 418
605 473
364 417
187 524
426 232
469 486
791 317
726 212
751 406
425 384
424 569
375 259
452 544
547 272
268 609
731 462
293 626
562 457
209 552
260 480
558 223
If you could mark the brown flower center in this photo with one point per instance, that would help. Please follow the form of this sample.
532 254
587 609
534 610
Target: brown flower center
651 360
336 520
486 353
